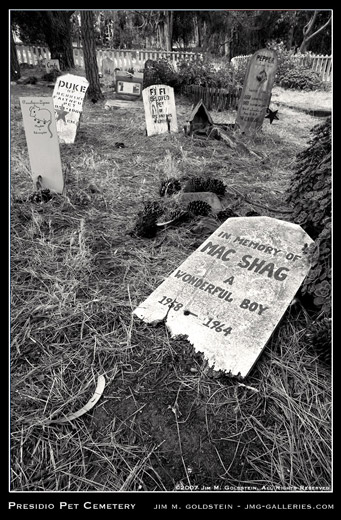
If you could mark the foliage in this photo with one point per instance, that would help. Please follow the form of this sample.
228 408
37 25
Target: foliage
310 196
301 78
318 338
240 72
202 72
318 282
159 72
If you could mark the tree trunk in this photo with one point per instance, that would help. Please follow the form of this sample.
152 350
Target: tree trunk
57 30
291 31
168 30
90 60
15 68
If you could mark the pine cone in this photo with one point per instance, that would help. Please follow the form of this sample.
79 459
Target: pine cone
146 221
225 214
199 207
40 196
201 184
169 187
152 206
252 213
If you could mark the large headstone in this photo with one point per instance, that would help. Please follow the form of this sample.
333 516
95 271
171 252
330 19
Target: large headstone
68 97
160 111
42 142
229 295
256 93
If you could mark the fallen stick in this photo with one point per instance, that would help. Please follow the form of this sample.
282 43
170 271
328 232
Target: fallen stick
263 206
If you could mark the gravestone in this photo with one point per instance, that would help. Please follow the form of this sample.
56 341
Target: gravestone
229 295
256 93
68 97
51 64
108 67
42 142
129 86
160 111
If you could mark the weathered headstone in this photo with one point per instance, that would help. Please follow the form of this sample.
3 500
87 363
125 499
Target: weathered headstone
160 111
68 97
228 296
256 93
42 142
108 67
51 64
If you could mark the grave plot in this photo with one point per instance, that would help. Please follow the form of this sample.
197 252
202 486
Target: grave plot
229 295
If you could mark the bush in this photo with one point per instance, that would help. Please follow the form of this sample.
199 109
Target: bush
202 72
310 194
159 72
240 72
301 78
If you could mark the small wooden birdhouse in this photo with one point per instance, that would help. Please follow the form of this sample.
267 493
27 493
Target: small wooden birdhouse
199 119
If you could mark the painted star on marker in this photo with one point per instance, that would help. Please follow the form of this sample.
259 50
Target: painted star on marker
61 112
272 114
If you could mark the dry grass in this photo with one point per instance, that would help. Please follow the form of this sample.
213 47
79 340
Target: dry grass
165 420
302 100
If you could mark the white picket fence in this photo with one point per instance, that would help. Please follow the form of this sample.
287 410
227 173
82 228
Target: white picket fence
317 62
122 59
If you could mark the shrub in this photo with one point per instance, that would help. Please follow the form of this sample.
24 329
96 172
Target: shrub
202 72
310 194
159 72
240 72
301 78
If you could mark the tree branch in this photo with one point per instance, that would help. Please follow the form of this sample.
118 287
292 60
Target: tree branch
308 27
318 30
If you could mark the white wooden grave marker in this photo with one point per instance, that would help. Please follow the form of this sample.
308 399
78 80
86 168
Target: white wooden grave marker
52 64
68 97
160 111
229 295
42 142
256 93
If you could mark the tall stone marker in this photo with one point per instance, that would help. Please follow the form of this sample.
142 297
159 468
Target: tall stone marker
68 97
229 295
160 111
256 93
42 142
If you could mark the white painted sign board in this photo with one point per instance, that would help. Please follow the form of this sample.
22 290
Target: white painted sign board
229 295
256 93
68 97
52 64
42 142
160 111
